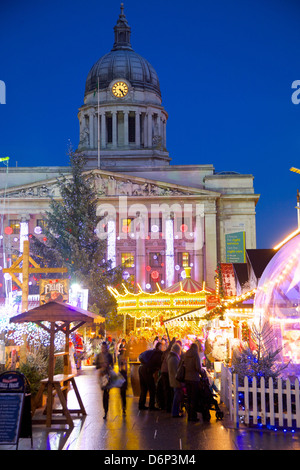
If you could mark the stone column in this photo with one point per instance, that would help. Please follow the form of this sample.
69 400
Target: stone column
137 129
126 128
103 130
91 129
210 251
198 244
149 129
145 130
159 127
114 129
165 134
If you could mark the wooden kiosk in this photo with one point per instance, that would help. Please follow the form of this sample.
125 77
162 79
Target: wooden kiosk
54 317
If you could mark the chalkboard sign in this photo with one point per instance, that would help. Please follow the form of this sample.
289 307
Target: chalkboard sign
12 381
15 410
11 409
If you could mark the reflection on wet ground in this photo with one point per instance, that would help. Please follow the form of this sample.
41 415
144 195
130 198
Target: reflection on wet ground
146 430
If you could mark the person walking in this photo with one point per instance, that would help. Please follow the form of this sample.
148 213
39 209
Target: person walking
121 351
192 380
104 363
146 375
123 372
178 394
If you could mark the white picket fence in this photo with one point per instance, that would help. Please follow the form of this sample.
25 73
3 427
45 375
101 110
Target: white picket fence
261 403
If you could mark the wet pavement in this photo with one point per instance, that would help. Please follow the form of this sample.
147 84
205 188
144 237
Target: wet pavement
146 430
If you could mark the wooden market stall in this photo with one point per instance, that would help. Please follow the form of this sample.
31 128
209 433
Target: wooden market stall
54 317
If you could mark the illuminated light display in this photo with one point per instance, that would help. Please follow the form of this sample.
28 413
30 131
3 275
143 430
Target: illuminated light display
8 230
111 242
184 228
155 275
289 237
23 234
169 252
277 302
38 230
181 297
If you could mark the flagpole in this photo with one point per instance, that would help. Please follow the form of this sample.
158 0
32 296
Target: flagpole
98 128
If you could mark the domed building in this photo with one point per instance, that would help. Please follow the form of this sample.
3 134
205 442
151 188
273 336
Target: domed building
164 217
123 97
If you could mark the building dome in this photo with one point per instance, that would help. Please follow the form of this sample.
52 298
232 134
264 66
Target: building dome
122 62
126 64
277 303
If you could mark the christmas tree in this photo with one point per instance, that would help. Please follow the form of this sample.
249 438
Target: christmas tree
70 237
259 360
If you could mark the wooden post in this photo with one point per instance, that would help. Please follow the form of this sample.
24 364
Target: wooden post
50 377
25 270
235 386
67 362
25 276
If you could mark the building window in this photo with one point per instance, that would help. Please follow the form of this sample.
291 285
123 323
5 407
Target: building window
127 260
184 259
127 225
41 223
155 224
183 224
15 225
155 259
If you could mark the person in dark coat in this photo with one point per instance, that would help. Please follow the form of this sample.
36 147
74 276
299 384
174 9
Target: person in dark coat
192 380
147 382
104 362
167 390
178 394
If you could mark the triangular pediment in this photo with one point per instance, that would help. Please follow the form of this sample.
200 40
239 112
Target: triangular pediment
108 184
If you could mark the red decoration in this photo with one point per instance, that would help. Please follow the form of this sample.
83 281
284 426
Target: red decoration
148 268
155 275
8 230
183 228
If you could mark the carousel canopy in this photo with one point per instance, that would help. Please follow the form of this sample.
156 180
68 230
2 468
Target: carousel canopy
177 299
188 285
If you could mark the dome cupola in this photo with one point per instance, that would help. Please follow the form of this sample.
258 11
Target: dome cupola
122 120
122 61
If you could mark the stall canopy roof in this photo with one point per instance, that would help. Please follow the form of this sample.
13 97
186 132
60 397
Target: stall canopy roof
56 311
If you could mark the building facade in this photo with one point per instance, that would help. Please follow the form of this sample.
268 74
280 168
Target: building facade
158 218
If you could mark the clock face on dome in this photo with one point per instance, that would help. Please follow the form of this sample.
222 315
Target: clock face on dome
120 89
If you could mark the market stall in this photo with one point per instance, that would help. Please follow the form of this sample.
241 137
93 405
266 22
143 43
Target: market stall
54 317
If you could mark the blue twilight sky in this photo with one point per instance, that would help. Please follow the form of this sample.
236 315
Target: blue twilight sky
225 67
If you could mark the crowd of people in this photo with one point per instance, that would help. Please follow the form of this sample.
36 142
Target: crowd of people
158 376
